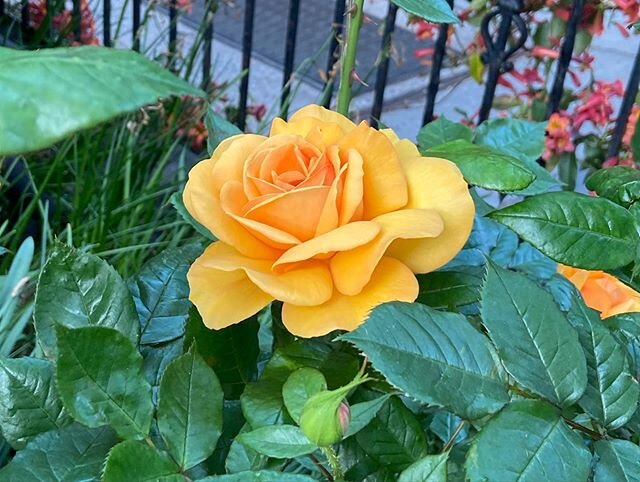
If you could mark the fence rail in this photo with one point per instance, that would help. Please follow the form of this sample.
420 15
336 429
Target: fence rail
504 32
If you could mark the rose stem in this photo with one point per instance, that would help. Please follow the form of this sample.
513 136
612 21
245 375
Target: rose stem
355 12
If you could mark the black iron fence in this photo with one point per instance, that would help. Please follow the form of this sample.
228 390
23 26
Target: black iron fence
503 29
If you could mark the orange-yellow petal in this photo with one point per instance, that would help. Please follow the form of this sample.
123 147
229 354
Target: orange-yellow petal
436 184
353 188
203 204
319 113
229 165
319 133
404 147
343 238
223 298
352 270
308 284
391 281
385 184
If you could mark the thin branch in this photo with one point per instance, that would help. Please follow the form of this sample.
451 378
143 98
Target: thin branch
591 433
321 467
454 436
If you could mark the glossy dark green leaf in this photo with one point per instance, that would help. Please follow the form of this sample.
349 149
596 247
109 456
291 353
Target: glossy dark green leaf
433 11
571 228
619 184
278 441
445 424
362 413
92 85
528 442
484 167
394 437
79 289
161 294
156 358
440 131
190 409
242 458
232 352
259 476
233 423
218 129
178 204
133 461
536 343
449 289
299 387
624 322
99 375
455 362
71 454
432 468
523 140
29 404
618 460
612 392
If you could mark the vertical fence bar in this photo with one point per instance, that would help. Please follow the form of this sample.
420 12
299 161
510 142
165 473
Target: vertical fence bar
497 52
1 7
383 66
212 6
77 20
136 25
436 68
247 41
625 109
24 19
334 49
106 23
566 51
173 32
289 55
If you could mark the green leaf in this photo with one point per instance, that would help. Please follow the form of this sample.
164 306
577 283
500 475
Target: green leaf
259 476
156 358
612 392
442 130
528 442
91 85
278 441
232 352
536 343
523 140
218 129
71 454
78 289
135 462
635 140
450 289
299 387
99 375
445 424
241 458
436 11
29 404
571 228
617 461
190 409
619 184
178 204
454 361
485 167
432 468
394 437
362 413
161 294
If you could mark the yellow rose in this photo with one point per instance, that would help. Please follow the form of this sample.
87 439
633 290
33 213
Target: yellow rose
328 217
602 292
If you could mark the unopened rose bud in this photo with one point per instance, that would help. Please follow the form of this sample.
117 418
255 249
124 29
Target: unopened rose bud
344 415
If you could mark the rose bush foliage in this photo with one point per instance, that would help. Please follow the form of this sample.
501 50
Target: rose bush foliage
518 359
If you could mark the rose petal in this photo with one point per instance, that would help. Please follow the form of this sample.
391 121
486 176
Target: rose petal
223 298
404 147
391 281
343 238
230 164
309 284
319 113
319 134
233 200
352 270
436 184
353 189
385 185
203 204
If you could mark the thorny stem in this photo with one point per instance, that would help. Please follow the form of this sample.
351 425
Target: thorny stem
591 433
355 13
454 436
334 463
321 467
